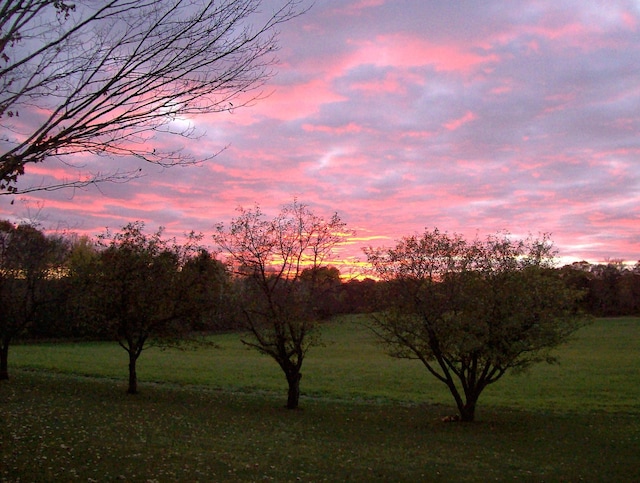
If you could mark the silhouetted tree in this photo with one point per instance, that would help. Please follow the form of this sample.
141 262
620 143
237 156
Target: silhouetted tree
270 256
604 289
628 293
108 76
144 290
210 291
471 311
578 277
28 258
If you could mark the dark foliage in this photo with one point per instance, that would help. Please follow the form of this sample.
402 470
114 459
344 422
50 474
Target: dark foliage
471 311
612 289
28 261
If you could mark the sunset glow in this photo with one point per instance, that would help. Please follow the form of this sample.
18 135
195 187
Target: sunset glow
470 117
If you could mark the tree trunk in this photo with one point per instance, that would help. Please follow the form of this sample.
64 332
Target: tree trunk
133 376
468 413
4 360
294 390
468 409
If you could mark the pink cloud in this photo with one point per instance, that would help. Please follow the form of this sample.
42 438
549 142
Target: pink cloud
350 128
402 116
630 20
299 101
400 50
283 102
457 123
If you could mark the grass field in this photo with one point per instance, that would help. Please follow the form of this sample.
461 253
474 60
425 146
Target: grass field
217 415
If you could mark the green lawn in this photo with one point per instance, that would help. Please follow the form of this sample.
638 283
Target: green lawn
217 415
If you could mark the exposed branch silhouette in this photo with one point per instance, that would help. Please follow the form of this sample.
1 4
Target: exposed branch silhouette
105 78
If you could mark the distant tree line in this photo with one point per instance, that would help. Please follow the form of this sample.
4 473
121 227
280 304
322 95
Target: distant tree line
611 289
469 310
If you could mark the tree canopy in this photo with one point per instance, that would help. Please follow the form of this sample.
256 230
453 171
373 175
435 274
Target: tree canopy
471 311
144 290
28 258
279 262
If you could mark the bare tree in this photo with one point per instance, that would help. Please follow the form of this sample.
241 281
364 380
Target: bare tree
105 77
270 256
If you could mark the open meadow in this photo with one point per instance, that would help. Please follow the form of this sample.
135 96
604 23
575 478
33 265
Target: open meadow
216 414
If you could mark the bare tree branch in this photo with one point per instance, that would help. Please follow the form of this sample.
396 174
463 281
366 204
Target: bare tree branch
106 77
93 179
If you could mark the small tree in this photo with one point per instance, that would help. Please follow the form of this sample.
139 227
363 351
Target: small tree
27 259
145 290
471 311
270 257
105 77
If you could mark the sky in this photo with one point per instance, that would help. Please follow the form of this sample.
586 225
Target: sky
400 115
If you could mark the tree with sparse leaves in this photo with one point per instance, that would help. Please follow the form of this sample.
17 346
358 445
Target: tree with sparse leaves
277 263
471 311
106 77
